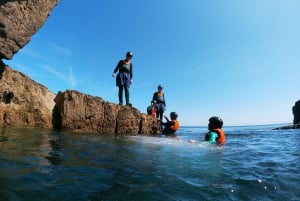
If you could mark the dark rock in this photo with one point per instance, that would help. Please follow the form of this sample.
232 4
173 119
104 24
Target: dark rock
296 112
294 126
296 122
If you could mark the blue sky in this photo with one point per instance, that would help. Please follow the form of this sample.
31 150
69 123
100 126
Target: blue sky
236 59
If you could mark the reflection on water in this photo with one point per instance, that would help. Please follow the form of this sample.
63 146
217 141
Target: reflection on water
55 155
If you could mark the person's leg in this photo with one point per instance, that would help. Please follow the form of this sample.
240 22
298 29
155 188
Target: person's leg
161 119
120 95
160 110
161 114
157 110
127 95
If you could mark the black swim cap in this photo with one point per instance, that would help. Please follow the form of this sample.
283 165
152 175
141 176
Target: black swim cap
173 115
216 121
129 54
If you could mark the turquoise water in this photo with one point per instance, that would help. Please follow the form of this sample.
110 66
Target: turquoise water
256 163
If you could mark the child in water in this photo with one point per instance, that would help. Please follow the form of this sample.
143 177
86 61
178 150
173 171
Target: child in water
170 127
215 134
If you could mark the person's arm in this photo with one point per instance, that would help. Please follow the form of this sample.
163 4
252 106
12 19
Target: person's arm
131 73
154 97
164 100
212 137
116 69
168 123
167 118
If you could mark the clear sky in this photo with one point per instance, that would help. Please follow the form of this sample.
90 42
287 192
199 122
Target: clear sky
236 59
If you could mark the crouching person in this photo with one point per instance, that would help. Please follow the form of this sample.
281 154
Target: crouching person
171 126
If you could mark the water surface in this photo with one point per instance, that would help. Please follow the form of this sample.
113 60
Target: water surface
256 163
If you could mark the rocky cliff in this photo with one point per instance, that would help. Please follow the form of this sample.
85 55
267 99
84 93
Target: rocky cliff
19 20
296 122
296 112
24 102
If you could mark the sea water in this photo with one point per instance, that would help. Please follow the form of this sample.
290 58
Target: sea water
256 163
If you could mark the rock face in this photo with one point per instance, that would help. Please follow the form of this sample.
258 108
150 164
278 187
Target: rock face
84 113
19 20
24 102
296 112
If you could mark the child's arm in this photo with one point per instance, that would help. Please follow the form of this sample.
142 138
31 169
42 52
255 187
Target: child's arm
212 137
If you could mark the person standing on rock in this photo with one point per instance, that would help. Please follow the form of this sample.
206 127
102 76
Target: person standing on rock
124 77
159 98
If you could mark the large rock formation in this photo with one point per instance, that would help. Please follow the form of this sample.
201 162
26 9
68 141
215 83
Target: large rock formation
19 20
24 102
296 112
81 112
296 122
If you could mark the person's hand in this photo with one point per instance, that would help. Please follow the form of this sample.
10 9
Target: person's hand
113 74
